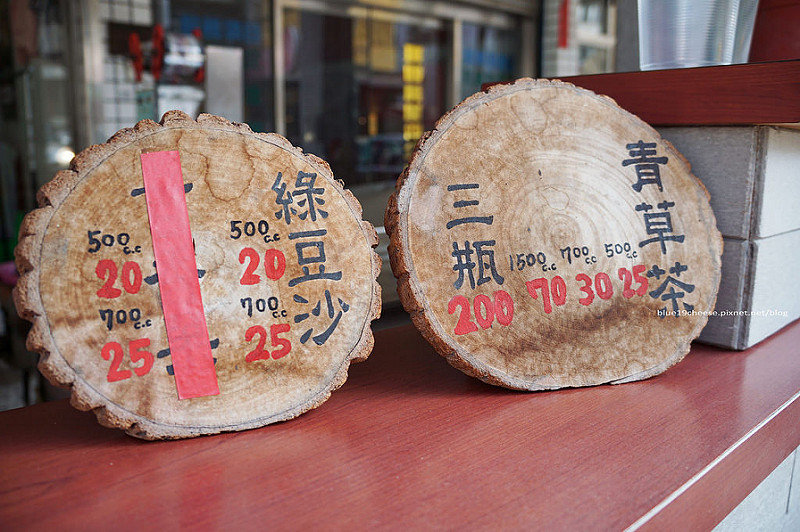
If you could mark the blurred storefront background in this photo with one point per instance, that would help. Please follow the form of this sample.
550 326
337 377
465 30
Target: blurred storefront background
355 82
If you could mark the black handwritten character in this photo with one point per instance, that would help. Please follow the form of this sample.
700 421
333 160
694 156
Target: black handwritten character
667 292
153 279
483 256
488 220
283 199
311 252
187 187
658 224
309 196
166 352
332 314
484 261
464 263
646 166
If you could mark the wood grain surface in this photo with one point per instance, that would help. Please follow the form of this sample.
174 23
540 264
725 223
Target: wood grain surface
543 237
408 443
284 263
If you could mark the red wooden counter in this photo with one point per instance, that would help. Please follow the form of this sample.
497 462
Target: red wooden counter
409 442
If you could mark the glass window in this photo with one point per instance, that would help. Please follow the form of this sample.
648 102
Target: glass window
361 90
237 25
593 59
488 55
37 122
596 35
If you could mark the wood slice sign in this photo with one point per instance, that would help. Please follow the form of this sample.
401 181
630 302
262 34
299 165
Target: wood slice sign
190 278
543 237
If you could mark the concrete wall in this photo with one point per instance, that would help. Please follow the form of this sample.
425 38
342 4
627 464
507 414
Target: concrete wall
774 506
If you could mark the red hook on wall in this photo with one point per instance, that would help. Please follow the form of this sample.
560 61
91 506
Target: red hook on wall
158 51
135 49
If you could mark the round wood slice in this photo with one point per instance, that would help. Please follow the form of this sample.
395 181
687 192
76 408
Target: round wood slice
543 237
284 264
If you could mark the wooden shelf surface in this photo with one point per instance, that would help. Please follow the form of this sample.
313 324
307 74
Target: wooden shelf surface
754 93
411 443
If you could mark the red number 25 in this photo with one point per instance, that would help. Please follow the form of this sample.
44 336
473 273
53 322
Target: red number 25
259 353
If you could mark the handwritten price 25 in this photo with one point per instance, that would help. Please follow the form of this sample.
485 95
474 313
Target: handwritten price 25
260 353
115 353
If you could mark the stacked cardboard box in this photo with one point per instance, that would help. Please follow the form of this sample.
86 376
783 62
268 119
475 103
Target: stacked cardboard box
753 176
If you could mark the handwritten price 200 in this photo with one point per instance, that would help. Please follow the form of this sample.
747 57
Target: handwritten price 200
500 308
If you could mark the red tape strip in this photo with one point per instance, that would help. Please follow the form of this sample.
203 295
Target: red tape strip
181 300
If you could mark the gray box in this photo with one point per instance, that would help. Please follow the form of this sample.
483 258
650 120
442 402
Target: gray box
753 176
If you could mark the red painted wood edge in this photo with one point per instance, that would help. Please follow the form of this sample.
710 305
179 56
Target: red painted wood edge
181 299
755 93
777 31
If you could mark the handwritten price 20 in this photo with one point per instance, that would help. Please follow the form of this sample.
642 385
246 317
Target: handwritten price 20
274 265
131 278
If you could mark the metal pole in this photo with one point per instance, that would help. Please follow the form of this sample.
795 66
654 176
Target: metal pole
456 64
278 67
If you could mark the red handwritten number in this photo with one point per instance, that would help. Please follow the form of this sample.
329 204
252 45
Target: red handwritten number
541 285
259 353
131 285
486 317
603 286
486 310
249 276
131 278
114 352
503 307
284 344
464 325
559 290
587 288
637 270
137 354
557 287
626 277
274 263
108 268
114 373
